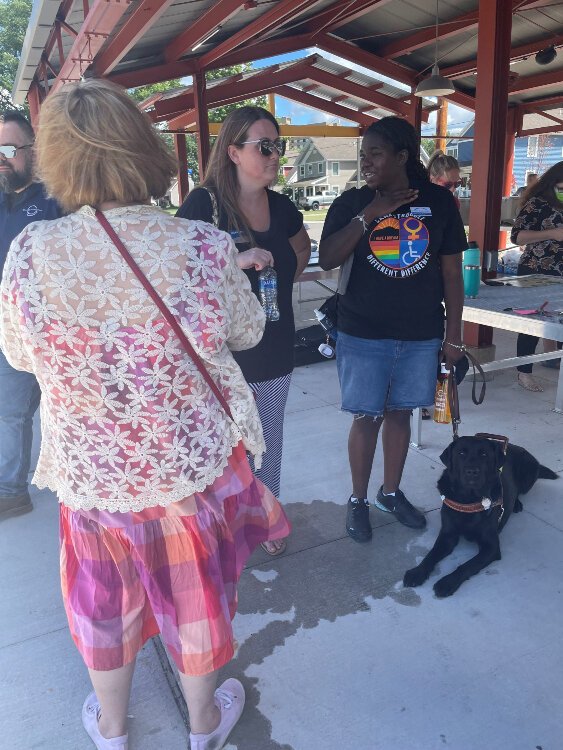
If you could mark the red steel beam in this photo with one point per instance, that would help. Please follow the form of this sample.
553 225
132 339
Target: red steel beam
470 66
447 29
154 74
145 15
63 12
549 116
97 26
260 50
269 21
182 156
397 106
234 90
489 146
338 14
540 131
200 107
424 37
463 100
158 73
324 105
218 14
547 103
185 120
374 62
530 83
354 11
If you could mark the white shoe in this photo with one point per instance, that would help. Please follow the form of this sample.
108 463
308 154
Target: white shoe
90 715
229 698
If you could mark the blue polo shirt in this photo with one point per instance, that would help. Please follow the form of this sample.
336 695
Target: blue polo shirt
17 210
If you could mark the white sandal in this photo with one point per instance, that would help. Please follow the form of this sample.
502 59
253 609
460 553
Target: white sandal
90 715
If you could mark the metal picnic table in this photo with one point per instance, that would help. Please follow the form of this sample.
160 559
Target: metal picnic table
498 306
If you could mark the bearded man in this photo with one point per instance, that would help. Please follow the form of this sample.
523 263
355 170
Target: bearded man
22 201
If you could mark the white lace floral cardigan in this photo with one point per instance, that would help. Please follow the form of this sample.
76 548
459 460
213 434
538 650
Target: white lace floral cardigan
127 420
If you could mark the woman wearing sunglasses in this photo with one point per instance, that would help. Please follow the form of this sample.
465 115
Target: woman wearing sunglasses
267 230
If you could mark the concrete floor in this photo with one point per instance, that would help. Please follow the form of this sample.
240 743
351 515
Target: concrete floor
334 653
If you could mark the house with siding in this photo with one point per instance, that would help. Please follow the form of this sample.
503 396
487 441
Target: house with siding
532 153
324 164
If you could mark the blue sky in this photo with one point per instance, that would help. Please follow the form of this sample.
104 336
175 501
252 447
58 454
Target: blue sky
458 117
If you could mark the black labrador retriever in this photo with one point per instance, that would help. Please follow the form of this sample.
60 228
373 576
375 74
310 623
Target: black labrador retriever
480 488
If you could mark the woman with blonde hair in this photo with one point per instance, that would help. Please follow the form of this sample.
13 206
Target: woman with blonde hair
268 230
126 316
443 169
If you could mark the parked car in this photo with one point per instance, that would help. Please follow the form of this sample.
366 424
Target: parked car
314 202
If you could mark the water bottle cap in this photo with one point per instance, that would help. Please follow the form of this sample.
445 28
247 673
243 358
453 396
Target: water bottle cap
473 244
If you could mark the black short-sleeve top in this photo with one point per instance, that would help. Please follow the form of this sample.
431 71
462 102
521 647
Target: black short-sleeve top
273 357
396 289
546 257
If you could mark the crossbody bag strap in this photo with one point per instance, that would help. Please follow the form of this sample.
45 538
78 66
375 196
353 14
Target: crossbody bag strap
170 319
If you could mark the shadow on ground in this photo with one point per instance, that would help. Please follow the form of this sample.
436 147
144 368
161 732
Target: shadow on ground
332 578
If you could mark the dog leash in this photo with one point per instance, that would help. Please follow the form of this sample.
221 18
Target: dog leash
453 395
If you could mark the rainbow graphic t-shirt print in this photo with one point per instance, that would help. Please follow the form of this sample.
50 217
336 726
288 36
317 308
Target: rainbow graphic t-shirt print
399 245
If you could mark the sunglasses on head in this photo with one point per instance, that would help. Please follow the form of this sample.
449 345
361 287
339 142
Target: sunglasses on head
9 152
266 146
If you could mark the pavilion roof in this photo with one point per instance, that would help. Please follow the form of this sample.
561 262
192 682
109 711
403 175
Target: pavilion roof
144 41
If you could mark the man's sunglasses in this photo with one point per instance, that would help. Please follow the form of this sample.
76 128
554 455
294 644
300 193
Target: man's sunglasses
266 146
9 152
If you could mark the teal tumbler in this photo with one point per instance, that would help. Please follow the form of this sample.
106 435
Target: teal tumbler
471 270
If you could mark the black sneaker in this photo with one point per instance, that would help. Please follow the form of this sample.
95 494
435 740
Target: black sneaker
400 507
357 520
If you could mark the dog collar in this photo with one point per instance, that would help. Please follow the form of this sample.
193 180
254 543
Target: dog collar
485 504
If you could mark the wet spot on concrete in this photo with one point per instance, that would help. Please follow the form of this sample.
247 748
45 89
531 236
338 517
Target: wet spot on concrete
356 574
408 597
443 739
265 575
491 572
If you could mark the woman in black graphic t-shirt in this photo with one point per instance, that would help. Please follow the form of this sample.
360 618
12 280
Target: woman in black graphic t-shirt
268 230
406 237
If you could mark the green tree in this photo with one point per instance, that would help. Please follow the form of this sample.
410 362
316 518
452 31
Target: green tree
14 17
217 114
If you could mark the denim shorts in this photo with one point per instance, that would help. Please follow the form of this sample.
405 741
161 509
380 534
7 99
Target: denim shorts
378 375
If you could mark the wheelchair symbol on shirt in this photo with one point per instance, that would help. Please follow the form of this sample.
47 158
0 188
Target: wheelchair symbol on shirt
413 228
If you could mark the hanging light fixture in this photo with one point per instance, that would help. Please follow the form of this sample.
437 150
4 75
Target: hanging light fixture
436 84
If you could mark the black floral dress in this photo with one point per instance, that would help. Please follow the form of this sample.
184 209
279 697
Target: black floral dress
539 257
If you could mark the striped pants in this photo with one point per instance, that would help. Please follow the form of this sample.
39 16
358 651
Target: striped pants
271 398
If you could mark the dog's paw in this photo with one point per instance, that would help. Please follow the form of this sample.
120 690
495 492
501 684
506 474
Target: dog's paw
446 586
415 577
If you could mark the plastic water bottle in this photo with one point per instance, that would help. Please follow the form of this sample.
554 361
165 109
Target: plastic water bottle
471 270
442 413
268 288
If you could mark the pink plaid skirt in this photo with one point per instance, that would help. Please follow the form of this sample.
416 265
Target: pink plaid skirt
129 576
